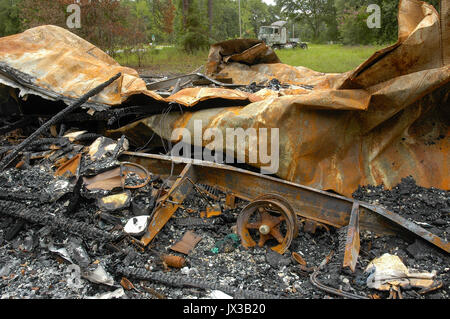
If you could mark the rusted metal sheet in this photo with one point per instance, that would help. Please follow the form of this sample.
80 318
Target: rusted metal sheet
239 49
108 180
358 137
377 124
230 201
327 208
353 244
211 211
418 48
55 64
187 243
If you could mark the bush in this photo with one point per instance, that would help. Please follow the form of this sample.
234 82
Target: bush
194 40
353 27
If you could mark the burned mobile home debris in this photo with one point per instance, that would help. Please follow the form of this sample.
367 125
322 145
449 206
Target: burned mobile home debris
94 205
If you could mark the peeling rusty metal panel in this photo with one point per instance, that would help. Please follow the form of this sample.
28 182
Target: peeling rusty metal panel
191 96
239 49
379 138
56 64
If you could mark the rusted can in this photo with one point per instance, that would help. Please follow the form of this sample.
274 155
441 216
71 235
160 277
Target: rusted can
174 261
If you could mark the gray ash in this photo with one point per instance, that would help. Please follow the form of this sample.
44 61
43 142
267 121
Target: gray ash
416 203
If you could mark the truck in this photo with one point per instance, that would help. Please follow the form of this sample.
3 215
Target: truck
276 36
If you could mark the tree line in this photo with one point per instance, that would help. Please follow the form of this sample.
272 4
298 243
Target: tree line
194 24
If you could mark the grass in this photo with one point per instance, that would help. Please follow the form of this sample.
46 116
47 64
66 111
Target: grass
164 60
323 58
328 58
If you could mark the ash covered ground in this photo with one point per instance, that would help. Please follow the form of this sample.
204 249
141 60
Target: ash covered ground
34 256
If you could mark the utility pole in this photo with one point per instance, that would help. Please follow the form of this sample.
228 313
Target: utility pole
240 21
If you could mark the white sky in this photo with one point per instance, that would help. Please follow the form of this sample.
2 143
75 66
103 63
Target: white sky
271 2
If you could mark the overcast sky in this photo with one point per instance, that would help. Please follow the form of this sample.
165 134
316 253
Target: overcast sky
269 1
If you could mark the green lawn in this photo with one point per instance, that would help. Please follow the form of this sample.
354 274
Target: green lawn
166 60
328 58
323 58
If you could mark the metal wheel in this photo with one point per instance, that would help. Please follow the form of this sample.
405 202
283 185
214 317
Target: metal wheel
282 200
267 220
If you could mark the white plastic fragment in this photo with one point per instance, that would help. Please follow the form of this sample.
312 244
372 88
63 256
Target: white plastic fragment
217 294
119 293
137 226
99 276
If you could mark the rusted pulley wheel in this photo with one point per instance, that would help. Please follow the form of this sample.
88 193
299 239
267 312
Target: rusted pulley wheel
265 221
283 201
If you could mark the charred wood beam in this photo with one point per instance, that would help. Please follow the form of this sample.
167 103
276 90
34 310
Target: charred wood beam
14 229
19 196
57 223
57 118
183 281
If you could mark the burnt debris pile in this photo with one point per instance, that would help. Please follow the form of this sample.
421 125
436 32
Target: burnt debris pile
78 216
92 205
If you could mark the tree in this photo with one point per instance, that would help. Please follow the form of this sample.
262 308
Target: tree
105 23
255 14
315 13
352 18
210 16
168 12
9 17
194 35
